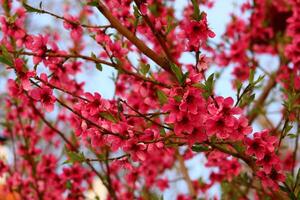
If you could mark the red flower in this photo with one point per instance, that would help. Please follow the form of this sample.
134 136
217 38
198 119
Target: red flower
216 125
136 149
184 125
255 147
270 159
162 184
44 95
23 74
72 24
270 180
197 32
192 101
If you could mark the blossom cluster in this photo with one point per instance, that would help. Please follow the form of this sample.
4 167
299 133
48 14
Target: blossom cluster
163 111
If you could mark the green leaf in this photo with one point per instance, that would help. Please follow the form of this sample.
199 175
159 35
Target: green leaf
289 180
136 12
208 86
99 67
210 82
170 25
74 157
108 116
4 60
5 57
93 3
292 136
251 76
177 98
184 77
93 56
196 14
68 184
260 78
199 148
239 86
144 68
199 85
5 52
284 189
297 182
32 9
177 71
162 97
162 132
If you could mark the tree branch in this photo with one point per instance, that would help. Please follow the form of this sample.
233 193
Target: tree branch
161 61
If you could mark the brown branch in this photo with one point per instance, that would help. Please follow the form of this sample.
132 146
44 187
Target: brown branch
160 38
185 175
41 11
161 61
96 60
247 159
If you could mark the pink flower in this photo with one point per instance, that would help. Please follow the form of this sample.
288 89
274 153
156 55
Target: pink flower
184 125
197 32
175 113
162 184
270 159
217 125
198 135
96 104
44 95
255 147
136 149
72 23
270 180
23 74
192 101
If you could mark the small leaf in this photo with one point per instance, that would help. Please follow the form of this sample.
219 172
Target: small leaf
290 135
260 78
99 67
239 86
136 12
177 98
93 56
251 76
162 132
297 182
200 148
144 68
196 14
32 9
108 116
177 71
5 57
289 180
4 60
93 3
184 77
74 157
68 184
208 86
199 85
162 97
284 189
